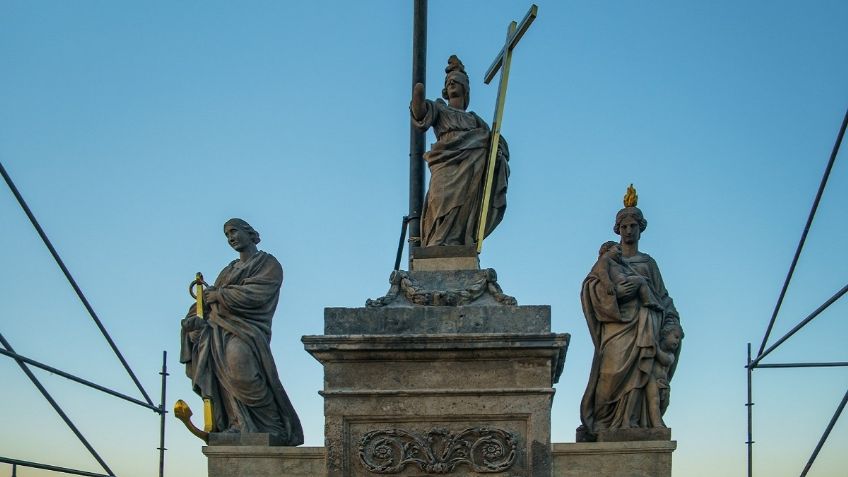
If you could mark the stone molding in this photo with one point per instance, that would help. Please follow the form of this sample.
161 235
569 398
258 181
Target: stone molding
438 392
628 447
249 452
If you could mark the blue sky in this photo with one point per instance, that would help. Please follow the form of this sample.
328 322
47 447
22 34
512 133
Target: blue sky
134 130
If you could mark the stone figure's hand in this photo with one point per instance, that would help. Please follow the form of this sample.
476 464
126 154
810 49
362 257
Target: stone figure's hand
210 295
418 107
193 323
625 290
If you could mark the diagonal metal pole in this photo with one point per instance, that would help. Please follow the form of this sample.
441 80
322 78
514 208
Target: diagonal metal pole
57 408
71 280
815 207
800 325
53 468
824 436
84 382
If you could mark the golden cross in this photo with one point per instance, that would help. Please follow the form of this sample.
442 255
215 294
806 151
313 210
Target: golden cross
502 62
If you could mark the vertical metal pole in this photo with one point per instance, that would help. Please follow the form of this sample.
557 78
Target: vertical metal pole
416 137
162 413
14 470
750 406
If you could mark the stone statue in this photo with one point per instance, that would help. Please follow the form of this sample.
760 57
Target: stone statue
457 162
228 355
636 332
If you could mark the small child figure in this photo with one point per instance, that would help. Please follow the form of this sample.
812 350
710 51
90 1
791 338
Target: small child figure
611 264
658 389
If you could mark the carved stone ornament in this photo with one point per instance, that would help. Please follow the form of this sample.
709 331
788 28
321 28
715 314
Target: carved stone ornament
404 286
484 449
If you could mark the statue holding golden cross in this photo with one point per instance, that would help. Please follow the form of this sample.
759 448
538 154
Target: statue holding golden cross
502 62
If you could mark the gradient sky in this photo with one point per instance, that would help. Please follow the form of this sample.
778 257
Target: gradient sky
135 130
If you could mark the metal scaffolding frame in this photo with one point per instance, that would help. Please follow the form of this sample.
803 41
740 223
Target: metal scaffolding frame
755 362
25 362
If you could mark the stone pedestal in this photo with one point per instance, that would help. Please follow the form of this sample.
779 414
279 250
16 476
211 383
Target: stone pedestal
445 258
459 390
613 459
601 459
265 461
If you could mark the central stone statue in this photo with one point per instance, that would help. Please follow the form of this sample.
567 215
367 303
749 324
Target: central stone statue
457 162
228 354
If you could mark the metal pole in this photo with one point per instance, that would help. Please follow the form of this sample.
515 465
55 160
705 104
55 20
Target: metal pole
416 137
803 323
400 241
76 379
835 364
162 413
815 207
58 409
824 436
52 468
71 280
14 470
750 405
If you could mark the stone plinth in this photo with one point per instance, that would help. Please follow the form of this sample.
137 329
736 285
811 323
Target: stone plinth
613 459
602 459
265 461
438 390
635 434
242 439
445 258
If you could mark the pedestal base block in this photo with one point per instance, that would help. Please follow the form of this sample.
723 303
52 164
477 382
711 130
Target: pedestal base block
635 434
613 459
265 461
596 459
460 391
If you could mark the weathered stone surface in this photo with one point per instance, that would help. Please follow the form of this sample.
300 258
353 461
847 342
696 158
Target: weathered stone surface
601 459
443 288
613 459
445 264
432 320
635 434
243 439
264 461
444 251
438 384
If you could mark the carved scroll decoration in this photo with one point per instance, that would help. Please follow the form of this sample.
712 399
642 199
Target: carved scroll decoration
484 449
403 286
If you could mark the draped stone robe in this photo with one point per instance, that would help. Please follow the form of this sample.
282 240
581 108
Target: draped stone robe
626 337
228 356
457 162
